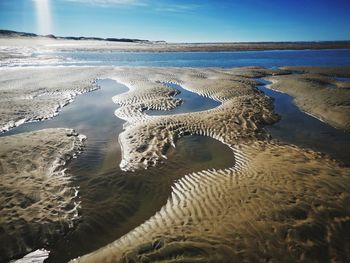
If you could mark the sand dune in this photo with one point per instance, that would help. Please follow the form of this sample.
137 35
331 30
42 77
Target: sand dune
36 200
318 93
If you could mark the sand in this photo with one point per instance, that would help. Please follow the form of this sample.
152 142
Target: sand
317 92
325 71
37 202
279 203
37 256
91 45
146 139
32 94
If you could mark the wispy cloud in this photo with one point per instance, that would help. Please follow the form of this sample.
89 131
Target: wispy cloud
109 3
161 6
177 8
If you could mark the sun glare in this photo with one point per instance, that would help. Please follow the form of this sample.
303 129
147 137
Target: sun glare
43 14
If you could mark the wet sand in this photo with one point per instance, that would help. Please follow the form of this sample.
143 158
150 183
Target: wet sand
276 202
113 202
36 197
33 94
147 138
279 203
317 92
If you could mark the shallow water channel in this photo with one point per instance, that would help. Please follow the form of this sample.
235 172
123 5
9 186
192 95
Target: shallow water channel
114 202
297 127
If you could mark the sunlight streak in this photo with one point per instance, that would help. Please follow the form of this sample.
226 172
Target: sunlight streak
43 14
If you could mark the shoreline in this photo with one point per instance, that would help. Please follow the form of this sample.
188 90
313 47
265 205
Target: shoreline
90 45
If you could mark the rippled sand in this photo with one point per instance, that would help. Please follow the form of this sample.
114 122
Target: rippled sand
278 203
146 138
317 92
31 94
35 196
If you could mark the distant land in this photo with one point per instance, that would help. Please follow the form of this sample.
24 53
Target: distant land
10 33
9 37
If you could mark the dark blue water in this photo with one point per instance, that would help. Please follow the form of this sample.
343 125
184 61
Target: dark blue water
299 128
344 79
269 59
191 102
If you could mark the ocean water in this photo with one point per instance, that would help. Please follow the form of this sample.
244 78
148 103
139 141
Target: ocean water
269 59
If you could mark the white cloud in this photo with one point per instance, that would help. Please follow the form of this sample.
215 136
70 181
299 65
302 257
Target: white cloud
177 8
152 5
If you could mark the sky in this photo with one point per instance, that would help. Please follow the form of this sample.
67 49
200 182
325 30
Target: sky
182 20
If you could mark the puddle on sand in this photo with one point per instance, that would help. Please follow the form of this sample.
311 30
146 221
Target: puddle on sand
114 202
343 79
91 114
192 102
299 128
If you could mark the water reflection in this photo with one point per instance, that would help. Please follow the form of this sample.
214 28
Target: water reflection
191 102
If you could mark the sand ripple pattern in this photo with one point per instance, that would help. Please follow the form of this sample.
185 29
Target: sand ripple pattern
36 201
146 138
279 203
317 92
32 94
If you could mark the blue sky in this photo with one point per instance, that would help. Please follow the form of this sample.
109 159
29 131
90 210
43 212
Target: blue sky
182 20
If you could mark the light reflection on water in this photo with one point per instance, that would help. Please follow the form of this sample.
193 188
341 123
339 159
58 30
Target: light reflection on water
191 102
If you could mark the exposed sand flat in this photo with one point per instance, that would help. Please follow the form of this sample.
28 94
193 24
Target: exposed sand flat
92 45
36 200
278 204
324 97
146 138
326 71
29 94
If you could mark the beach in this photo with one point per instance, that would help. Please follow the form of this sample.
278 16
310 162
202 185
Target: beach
149 187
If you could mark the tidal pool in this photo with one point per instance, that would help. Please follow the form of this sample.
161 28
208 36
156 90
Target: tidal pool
191 102
114 202
299 128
